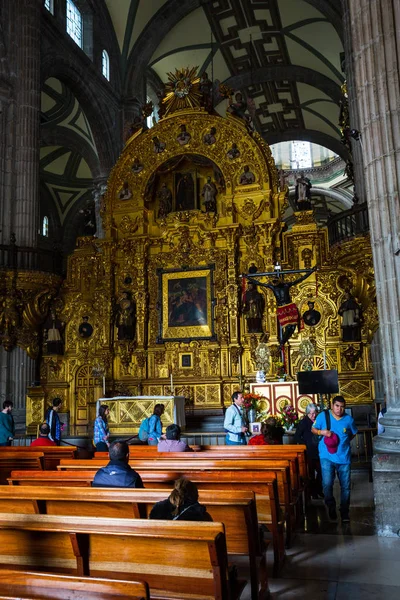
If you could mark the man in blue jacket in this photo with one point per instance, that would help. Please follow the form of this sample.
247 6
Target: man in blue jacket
235 421
118 472
335 454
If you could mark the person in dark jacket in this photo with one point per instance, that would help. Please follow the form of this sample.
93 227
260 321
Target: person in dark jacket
53 421
182 505
304 435
118 472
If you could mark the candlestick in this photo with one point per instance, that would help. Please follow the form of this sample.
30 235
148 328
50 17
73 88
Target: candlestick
104 386
324 360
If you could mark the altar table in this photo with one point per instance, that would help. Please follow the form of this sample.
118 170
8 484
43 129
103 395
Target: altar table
127 412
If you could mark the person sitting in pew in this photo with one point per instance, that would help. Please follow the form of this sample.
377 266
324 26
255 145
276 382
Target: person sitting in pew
118 472
173 442
182 504
43 439
265 438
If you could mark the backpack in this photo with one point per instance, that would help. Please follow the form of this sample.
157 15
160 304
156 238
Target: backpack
144 429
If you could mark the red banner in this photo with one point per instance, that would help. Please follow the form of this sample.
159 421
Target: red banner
288 315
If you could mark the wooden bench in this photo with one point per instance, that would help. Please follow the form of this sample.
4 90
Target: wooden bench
187 467
236 509
51 454
20 585
11 461
163 479
264 484
178 560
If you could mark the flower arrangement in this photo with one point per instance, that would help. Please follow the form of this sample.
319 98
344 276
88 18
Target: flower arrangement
280 368
251 401
289 416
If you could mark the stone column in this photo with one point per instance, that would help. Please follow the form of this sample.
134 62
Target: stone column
27 97
17 373
375 34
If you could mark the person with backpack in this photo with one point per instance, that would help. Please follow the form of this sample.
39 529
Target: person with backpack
155 425
101 432
336 430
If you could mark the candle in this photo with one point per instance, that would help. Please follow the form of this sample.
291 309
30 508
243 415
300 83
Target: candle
172 386
104 386
324 360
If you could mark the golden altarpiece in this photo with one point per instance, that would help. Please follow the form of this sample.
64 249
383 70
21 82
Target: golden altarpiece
191 204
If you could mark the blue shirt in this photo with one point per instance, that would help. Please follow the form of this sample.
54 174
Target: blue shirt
100 431
155 427
344 428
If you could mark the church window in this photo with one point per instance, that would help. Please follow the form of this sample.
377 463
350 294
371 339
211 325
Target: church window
49 5
105 64
45 226
301 155
74 23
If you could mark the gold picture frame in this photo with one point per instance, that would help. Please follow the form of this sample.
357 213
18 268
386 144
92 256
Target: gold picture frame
187 304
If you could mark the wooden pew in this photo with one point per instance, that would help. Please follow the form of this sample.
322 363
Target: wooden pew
178 560
51 454
163 479
236 509
295 457
263 483
21 585
182 464
11 461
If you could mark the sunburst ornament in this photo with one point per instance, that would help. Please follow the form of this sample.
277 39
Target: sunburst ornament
182 90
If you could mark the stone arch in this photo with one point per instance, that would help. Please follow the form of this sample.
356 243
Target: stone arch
64 137
102 118
294 73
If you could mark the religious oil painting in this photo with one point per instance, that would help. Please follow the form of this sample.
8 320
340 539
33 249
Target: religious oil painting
186 304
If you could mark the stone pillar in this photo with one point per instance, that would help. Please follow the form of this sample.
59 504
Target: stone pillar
27 135
375 34
17 373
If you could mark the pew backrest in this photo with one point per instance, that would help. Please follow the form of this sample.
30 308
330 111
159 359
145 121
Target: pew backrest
138 549
51 454
25 585
10 461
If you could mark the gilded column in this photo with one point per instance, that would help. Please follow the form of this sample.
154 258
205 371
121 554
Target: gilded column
375 34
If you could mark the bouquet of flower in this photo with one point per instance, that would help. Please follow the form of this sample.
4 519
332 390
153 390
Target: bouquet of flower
251 401
280 368
289 416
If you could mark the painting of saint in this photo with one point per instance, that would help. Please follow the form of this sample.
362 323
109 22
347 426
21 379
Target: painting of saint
185 191
187 302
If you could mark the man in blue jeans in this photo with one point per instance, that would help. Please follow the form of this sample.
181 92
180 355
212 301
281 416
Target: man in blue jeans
335 455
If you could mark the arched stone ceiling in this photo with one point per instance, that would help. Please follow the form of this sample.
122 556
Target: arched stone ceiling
68 156
285 54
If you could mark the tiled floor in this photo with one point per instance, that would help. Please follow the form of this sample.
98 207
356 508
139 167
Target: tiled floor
329 561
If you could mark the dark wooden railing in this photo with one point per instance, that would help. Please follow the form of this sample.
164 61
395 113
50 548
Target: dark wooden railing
30 259
348 224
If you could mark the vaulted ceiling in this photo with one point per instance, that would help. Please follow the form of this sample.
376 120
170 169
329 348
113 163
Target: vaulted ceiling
285 54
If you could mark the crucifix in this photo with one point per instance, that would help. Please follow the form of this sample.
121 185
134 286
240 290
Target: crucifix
287 311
